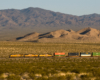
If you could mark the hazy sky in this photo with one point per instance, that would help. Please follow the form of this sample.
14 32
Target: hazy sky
75 7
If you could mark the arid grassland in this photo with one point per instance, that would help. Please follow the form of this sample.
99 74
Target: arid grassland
7 48
48 68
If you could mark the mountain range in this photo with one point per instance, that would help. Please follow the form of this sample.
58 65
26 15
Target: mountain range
14 22
84 35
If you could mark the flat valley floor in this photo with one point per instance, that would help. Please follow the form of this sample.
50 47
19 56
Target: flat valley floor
48 68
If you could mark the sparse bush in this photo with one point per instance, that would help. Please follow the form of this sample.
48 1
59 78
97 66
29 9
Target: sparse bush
98 78
69 77
85 77
13 77
75 71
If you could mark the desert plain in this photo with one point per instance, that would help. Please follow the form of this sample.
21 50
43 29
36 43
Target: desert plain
54 68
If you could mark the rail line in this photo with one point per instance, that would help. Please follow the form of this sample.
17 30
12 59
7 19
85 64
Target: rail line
54 58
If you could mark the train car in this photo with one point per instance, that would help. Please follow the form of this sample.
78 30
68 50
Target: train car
85 54
45 55
59 54
30 55
16 56
96 54
73 54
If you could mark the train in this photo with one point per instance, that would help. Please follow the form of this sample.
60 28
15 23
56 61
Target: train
58 54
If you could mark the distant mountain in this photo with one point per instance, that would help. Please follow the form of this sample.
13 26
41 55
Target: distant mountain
14 23
37 17
83 35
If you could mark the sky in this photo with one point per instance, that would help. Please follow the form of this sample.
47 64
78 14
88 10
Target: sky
74 7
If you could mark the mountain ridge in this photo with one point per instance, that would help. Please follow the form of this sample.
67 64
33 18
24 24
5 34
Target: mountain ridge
84 35
15 22
33 16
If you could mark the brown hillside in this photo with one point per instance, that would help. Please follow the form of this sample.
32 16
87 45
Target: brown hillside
29 37
14 22
90 35
55 34
84 35
89 32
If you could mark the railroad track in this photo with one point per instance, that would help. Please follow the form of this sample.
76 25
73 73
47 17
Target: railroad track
55 57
